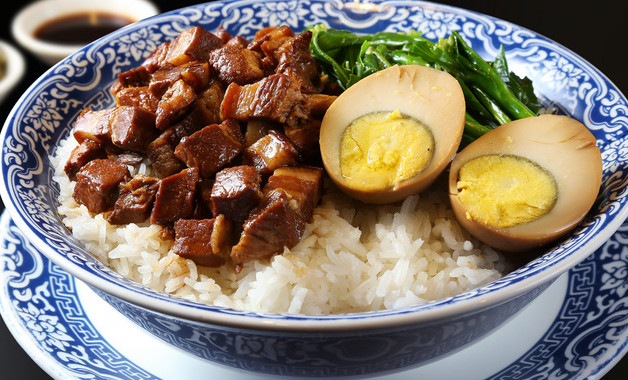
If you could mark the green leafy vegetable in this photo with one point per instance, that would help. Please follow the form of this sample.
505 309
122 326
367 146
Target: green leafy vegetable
493 94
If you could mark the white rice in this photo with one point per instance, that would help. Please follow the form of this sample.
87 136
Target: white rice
349 260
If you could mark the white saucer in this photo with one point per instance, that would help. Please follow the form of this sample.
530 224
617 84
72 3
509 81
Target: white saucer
578 328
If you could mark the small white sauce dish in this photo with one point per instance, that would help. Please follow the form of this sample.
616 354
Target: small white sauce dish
14 68
33 16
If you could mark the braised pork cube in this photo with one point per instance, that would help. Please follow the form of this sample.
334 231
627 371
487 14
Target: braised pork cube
233 129
115 88
266 42
135 200
207 242
175 197
236 191
256 129
193 44
204 192
294 58
97 184
126 158
277 97
94 125
222 33
135 77
161 150
174 104
196 74
319 103
305 138
234 63
238 41
208 102
271 38
271 152
270 227
162 79
303 184
140 97
209 149
85 152
157 58
133 128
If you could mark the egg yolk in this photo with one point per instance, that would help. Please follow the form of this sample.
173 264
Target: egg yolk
380 149
505 190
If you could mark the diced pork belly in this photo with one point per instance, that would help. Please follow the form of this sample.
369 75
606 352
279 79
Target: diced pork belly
302 184
238 41
157 58
97 184
115 88
269 39
94 125
305 138
125 157
290 197
85 152
222 33
196 74
277 97
204 192
256 129
208 102
135 77
133 128
161 150
175 198
140 97
173 105
233 63
233 129
271 152
236 191
209 149
193 44
196 119
319 103
135 200
273 225
207 242
294 58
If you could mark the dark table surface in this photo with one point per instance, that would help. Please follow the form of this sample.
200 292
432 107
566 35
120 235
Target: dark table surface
593 31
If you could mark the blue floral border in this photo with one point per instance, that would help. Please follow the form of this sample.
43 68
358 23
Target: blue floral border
41 301
40 298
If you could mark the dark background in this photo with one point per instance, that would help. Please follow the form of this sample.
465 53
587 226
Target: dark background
594 30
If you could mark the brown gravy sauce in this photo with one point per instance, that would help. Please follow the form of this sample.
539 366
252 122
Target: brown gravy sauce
80 28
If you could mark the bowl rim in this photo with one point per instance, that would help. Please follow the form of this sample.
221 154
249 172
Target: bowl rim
213 315
16 66
22 26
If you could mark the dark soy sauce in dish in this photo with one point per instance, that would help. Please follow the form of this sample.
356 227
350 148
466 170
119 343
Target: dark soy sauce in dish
80 28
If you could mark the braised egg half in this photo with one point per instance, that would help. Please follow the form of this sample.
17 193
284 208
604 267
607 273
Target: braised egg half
392 133
526 183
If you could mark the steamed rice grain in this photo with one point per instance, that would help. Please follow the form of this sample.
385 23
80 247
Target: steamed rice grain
351 259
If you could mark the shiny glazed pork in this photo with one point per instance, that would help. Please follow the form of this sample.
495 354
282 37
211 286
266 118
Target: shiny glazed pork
230 129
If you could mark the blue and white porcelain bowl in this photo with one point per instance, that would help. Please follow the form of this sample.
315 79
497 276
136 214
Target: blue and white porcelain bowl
307 345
